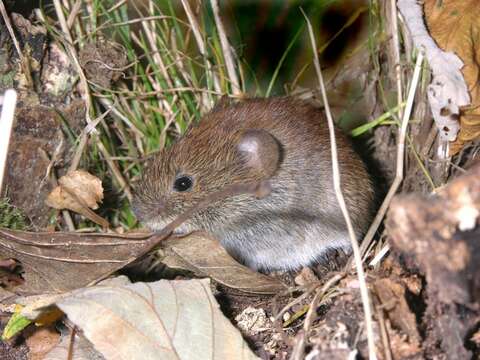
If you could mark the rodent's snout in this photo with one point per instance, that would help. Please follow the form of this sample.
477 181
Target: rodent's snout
144 210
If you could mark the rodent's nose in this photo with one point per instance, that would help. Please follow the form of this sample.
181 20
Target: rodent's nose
145 210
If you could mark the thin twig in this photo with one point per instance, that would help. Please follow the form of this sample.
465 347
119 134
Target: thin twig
341 200
110 106
296 301
83 140
71 342
226 49
379 256
400 159
24 62
299 349
384 334
9 101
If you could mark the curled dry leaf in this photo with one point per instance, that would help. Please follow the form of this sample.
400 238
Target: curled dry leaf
165 319
202 254
85 186
78 191
455 26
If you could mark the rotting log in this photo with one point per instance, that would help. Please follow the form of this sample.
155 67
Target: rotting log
438 236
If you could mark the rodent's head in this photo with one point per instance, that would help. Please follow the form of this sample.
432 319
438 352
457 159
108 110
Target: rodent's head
215 153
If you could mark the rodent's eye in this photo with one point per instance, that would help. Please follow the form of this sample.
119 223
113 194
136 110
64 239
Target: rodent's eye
183 183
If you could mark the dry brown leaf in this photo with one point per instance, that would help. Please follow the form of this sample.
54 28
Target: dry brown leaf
78 191
201 253
455 26
40 341
85 186
59 262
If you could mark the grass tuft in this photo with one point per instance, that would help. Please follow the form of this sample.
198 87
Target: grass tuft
11 217
175 70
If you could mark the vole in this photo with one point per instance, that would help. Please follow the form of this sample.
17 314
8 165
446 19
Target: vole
281 139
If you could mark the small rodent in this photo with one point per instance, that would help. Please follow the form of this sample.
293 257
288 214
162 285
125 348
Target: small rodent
283 139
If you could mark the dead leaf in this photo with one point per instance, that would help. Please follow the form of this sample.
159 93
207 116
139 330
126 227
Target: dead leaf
306 276
203 254
85 186
455 26
78 191
40 341
58 262
159 320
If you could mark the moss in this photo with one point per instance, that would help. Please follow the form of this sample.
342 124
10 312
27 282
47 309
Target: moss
11 217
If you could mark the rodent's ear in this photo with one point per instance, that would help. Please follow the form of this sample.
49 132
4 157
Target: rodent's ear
260 151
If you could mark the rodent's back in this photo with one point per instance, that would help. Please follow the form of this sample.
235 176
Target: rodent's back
302 131
300 219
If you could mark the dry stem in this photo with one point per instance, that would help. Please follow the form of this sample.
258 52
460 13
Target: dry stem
384 334
227 51
341 200
400 158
